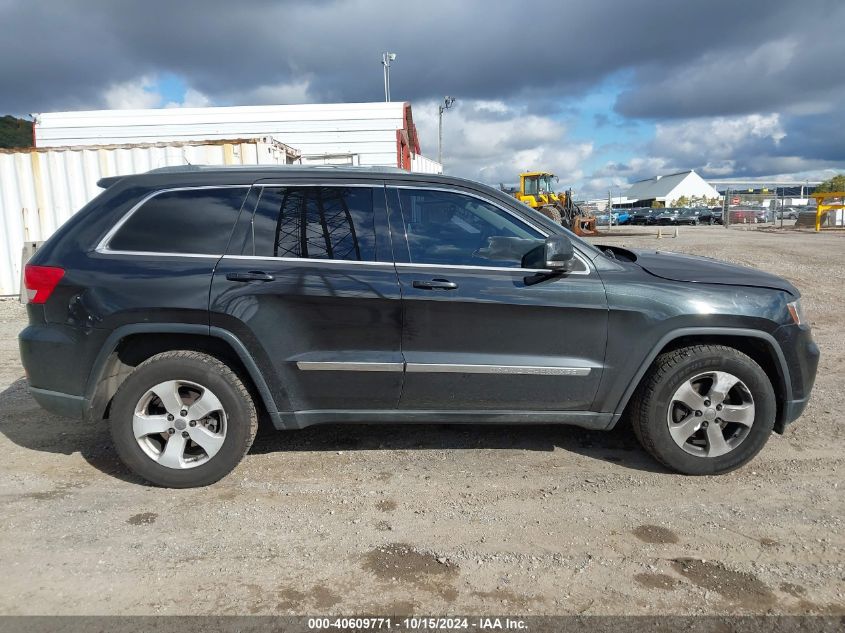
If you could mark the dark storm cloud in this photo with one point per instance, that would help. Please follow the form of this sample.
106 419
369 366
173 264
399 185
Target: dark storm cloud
819 137
64 54
733 87
789 71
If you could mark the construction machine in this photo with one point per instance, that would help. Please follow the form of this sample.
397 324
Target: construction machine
536 189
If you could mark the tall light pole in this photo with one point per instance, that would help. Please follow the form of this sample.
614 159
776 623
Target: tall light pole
448 102
386 58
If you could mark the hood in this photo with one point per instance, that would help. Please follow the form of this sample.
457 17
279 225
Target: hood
696 269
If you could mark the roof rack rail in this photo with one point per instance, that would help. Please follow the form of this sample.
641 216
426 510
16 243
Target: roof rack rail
194 168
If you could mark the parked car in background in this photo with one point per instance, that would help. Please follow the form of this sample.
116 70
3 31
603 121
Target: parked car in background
618 217
705 215
667 216
788 213
764 215
645 216
693 217
716 216
742 216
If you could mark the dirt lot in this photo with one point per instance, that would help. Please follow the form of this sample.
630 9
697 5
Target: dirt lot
441 520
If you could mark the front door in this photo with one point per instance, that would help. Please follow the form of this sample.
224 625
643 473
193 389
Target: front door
309 285
475 335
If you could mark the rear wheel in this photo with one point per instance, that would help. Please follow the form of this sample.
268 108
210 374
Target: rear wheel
182 419
704 409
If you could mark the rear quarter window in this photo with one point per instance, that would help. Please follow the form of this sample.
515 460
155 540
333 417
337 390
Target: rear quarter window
190 221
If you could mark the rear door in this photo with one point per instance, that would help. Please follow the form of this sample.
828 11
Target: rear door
476 336
309 285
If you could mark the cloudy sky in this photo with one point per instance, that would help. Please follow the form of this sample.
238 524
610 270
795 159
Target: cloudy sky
602 92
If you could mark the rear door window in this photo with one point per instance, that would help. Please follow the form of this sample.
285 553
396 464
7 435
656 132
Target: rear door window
314 222
189 221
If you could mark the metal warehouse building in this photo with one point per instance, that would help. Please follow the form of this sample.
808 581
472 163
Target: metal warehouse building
380 134
666 189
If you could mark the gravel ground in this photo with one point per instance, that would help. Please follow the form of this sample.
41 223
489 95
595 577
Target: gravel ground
440 520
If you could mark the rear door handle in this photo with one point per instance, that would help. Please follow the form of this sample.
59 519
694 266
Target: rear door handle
252 275
435 284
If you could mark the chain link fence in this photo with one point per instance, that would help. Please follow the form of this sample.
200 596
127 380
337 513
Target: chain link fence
776 206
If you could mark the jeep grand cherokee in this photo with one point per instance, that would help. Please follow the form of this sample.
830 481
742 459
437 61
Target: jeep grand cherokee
182 303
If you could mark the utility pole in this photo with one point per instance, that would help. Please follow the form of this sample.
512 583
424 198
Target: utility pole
448 102
386 58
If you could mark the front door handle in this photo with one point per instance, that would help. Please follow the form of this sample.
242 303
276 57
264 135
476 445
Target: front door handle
435 284
252 275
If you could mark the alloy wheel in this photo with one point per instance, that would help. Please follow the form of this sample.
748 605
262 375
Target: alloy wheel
711 414
179 424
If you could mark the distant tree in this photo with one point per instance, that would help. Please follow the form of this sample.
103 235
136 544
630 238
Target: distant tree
680 202
837 183
15 132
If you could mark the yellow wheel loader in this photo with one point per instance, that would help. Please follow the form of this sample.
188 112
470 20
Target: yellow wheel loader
536 189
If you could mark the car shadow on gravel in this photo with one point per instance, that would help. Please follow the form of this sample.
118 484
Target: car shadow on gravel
26 424
23 422
617 446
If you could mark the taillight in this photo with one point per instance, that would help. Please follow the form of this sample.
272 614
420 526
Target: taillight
40 281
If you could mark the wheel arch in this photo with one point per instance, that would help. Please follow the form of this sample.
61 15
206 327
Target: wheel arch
758 345
130 345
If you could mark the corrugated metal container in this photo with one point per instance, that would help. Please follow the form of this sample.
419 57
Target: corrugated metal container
381 134
423 165
41 188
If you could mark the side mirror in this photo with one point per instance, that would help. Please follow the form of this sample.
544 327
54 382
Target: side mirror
555 254
558 253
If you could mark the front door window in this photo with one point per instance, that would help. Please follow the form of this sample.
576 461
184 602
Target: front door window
455 229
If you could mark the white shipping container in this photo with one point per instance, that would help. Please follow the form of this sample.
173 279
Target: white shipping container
377 134
422 165
41 188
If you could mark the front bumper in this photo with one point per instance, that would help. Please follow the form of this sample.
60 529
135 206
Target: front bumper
801 356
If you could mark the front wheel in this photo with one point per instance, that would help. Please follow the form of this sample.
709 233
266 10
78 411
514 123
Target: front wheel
704 409
182 419
551 212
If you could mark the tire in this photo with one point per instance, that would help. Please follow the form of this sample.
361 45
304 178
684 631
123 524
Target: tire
225 430
654 409
551 212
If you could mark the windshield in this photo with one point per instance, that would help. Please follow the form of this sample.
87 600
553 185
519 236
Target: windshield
532 185
546 182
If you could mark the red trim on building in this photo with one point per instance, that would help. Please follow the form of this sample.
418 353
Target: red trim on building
403 151
406 140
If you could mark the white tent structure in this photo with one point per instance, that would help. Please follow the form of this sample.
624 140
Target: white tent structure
667 189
